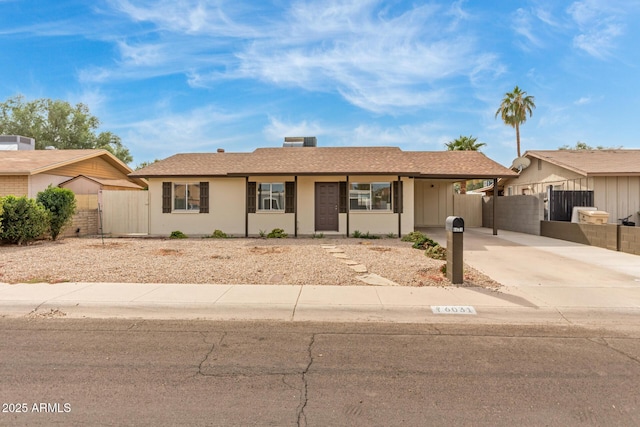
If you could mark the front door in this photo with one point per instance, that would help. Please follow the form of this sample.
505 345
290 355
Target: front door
327 198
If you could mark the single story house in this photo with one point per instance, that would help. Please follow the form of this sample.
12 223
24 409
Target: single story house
27 172
308 190
612 175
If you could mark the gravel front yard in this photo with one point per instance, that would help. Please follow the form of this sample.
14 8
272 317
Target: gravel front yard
223 261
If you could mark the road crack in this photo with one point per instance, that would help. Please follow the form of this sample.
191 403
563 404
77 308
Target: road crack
304 398
603 342
209 353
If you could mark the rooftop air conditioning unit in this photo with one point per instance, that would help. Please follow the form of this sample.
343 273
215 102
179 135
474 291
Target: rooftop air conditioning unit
16 142
300 141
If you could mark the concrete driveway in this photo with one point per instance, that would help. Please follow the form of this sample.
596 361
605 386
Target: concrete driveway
545 271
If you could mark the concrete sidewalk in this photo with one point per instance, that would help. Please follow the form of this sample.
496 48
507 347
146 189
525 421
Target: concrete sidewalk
546 281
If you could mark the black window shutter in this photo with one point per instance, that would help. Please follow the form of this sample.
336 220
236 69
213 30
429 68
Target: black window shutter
204 197
251 197
289 197
397 196
342 203
166 197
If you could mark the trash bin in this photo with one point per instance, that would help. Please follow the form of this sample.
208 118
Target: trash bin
593 217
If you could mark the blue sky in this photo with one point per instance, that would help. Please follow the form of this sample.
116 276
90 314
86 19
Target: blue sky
172 76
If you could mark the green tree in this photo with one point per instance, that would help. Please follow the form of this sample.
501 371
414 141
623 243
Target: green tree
145 164
58 124
61 204
584 146
514 109
464 143
23 219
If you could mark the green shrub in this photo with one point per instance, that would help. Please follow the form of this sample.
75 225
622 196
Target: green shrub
61 204
390 236
277 233
262 233
414 236
177 235
436 252
23 220
318 235
369 236
219 234
424 243
359 235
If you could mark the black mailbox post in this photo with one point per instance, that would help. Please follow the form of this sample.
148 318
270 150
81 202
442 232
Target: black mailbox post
455 229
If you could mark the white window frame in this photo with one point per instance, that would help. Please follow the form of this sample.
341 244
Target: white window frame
366 197
280 201
188 207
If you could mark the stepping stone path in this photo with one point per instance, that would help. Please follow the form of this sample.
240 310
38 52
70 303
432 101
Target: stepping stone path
369 278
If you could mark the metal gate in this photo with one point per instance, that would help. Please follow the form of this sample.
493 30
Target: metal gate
561 203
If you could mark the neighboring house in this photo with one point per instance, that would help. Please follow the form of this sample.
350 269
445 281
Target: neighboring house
308 190
612 175
27 172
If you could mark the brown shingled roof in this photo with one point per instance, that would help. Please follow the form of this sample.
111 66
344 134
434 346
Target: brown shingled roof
330 161
32 162
593 162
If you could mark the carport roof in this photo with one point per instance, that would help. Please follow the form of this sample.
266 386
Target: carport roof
330 161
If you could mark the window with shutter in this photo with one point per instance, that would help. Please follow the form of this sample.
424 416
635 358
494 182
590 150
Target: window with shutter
290 197
342 203
204 197
397 196
166 197
251 197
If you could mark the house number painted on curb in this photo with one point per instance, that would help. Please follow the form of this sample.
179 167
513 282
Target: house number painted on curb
453 309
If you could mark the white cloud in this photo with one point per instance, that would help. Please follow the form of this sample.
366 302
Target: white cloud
277 129
423 136
583 101
198 130
380 57
600 25
186 16
522 25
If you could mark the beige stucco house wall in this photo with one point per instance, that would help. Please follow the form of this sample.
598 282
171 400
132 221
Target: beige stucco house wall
227 209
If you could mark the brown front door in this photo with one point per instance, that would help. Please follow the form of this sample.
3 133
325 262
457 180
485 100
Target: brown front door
327 198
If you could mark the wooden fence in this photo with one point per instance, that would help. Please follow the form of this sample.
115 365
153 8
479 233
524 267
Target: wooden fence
125 212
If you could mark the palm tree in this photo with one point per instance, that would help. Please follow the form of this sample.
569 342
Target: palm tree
514 108
464 143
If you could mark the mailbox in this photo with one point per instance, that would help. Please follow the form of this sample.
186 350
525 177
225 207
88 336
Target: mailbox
455 224
455 229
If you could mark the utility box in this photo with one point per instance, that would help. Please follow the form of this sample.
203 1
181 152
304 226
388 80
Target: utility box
454 225
593 217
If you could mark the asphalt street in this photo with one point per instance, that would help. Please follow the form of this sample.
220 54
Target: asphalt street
151 372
